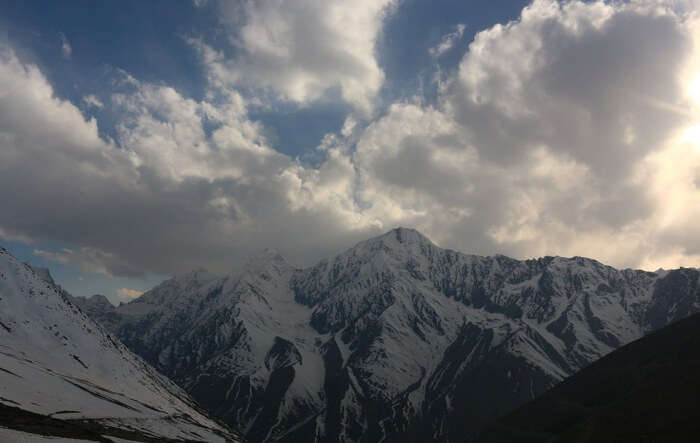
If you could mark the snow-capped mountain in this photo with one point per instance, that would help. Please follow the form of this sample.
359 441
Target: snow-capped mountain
393 340
57 362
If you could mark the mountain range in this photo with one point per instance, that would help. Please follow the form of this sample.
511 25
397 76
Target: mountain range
392 340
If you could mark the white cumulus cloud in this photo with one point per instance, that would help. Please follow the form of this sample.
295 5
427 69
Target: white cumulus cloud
302 49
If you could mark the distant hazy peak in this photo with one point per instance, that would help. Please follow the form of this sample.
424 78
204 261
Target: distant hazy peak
267 259
405 235
661 272
268 255
98 299
196 275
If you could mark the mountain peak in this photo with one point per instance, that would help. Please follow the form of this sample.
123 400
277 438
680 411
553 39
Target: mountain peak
399 243
198 274
266 258
98 299
401 235
272 254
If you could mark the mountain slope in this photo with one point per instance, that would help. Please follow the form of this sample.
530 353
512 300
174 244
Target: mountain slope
392 340
58 363
645 391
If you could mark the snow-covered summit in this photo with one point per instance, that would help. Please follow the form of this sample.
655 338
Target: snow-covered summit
98 300
402 236
193 278
268 260
397 242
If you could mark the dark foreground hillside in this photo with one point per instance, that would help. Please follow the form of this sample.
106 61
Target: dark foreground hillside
646 391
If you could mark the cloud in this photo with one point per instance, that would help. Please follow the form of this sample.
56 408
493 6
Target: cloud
302 50
170 195
543 140
126 294
580 78
563 132
92 101
91 260
66 48
448 41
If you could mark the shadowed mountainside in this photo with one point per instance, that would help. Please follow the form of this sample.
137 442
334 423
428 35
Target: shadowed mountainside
645 391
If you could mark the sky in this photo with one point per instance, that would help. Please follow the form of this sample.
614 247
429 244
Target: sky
139 140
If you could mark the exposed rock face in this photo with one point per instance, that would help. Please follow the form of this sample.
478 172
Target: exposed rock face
394 340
